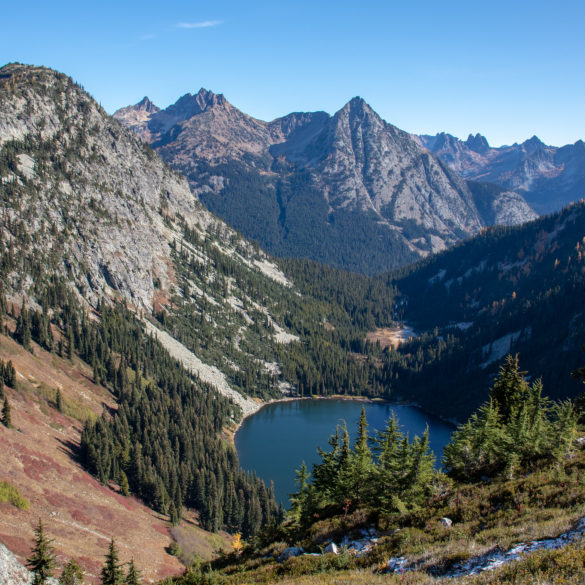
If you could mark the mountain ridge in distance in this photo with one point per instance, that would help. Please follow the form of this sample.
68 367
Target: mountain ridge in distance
548 177
349 189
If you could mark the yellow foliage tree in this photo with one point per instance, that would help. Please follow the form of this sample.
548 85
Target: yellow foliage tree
237 543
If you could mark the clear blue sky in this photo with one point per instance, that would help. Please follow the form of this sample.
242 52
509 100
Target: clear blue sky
508 69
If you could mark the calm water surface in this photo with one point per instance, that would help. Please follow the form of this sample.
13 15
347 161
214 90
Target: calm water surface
277 439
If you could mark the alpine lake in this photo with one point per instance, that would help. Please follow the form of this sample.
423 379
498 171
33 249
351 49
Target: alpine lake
275 441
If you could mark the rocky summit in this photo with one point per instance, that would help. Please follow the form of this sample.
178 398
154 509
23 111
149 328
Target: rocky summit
548 177
350 189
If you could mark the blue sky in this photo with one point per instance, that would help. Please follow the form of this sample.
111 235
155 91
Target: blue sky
506 69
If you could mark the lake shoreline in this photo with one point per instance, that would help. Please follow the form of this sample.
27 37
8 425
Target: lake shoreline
274 444
367 399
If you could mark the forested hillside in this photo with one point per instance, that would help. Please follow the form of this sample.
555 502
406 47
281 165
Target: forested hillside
508 290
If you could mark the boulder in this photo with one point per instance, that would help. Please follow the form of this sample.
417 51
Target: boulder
447 522
291 551
331 548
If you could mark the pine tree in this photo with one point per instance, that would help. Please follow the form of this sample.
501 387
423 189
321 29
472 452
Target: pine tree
174 517
133 576
112 573
72 574
299 498
22 332
70 342
6 417
123 483
421 471
10 375
509 389
42 559
59 400
361 463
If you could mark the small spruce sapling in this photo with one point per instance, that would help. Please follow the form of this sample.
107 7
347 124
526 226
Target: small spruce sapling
42 559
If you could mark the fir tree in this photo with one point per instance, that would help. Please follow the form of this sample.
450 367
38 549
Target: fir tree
509 389
72 574
22 332
299 498
133 576
6 416
174 517
10 375
112 573
361 463
123 483
59 400
42 559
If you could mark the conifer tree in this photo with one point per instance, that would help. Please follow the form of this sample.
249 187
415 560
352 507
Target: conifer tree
123 483
112 573
70 342
299 498
361 463
509 389
133 576
22 332
42 559
10 374
59 400
174 514
72 574
6 416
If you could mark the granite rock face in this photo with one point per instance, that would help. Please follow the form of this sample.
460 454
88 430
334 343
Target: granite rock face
303 183
87 202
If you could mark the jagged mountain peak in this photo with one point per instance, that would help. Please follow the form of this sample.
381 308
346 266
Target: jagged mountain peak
533 144
146 105
548 177
477 143
190 105
357 106
185 108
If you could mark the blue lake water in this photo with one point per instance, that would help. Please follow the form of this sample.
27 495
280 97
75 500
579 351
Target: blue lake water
277 439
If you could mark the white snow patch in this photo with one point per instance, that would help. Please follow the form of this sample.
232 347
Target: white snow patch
497 558
206 373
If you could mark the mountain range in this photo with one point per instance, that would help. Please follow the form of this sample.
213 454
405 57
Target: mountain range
350 189
548 177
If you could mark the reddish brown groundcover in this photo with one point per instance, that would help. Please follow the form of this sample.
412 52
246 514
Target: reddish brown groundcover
37 456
